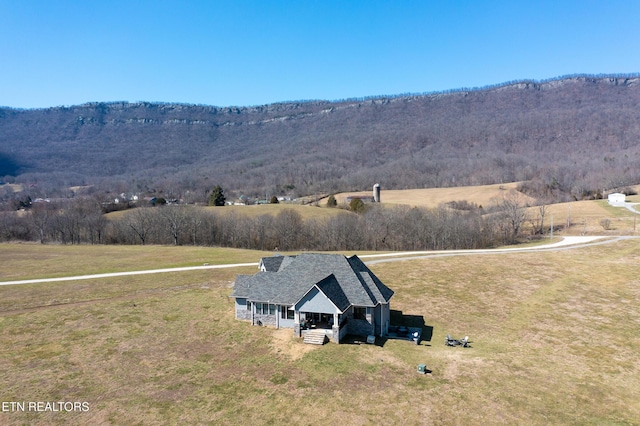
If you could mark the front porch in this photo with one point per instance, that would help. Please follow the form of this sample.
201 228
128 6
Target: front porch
316 320
337 326
320 322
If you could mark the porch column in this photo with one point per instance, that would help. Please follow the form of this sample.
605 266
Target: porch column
335 328
296 324
386 314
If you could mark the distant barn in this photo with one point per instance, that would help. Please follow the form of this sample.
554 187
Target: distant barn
374 198
364 198
616 198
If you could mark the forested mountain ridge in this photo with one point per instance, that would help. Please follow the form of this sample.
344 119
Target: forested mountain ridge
574 134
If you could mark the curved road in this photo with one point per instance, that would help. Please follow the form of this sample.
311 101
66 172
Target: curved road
566 243
631 208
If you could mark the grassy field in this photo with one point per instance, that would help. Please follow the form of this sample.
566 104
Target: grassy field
14 187
583 217
482 195
433 197
31 260
555 341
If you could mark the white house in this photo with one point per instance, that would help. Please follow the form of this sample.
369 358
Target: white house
616 198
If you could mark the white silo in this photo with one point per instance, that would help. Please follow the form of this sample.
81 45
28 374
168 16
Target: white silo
376 193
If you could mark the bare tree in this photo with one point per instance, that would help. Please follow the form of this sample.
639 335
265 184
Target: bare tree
195 222
514 209
66 224
93 221
13 227
289 229
262 233
542 213
176 218
40 216
140 222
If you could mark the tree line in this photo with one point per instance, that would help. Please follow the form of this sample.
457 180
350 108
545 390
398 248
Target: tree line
375 227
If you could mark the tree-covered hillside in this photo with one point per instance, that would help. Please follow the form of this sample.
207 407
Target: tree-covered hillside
572 135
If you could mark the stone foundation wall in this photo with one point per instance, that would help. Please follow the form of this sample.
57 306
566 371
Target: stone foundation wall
269 320
243 314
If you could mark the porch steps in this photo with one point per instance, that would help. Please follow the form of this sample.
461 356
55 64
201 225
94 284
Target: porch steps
315 337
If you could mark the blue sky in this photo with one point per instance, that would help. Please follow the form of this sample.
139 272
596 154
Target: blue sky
241 53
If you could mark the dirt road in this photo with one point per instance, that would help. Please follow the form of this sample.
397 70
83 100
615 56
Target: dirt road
564 244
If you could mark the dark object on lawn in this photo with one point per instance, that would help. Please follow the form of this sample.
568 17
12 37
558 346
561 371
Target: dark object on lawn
406 333
449 341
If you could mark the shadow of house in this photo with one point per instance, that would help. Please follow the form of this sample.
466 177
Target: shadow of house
403 326
417 321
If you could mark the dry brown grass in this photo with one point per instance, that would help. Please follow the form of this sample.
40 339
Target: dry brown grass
583 217
432 197
31 260
554 342
14 186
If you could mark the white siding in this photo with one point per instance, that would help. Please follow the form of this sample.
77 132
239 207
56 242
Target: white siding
616 198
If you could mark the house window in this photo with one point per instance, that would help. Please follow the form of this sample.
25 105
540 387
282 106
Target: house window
248 305
272 309
286 313
359 313
265 309
258 308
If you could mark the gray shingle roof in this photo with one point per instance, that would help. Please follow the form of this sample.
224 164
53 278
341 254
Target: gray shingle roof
331 288
352 284
271 264
286 262
241 285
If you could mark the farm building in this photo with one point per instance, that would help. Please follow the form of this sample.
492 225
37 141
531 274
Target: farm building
616 198
363 198
329 292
